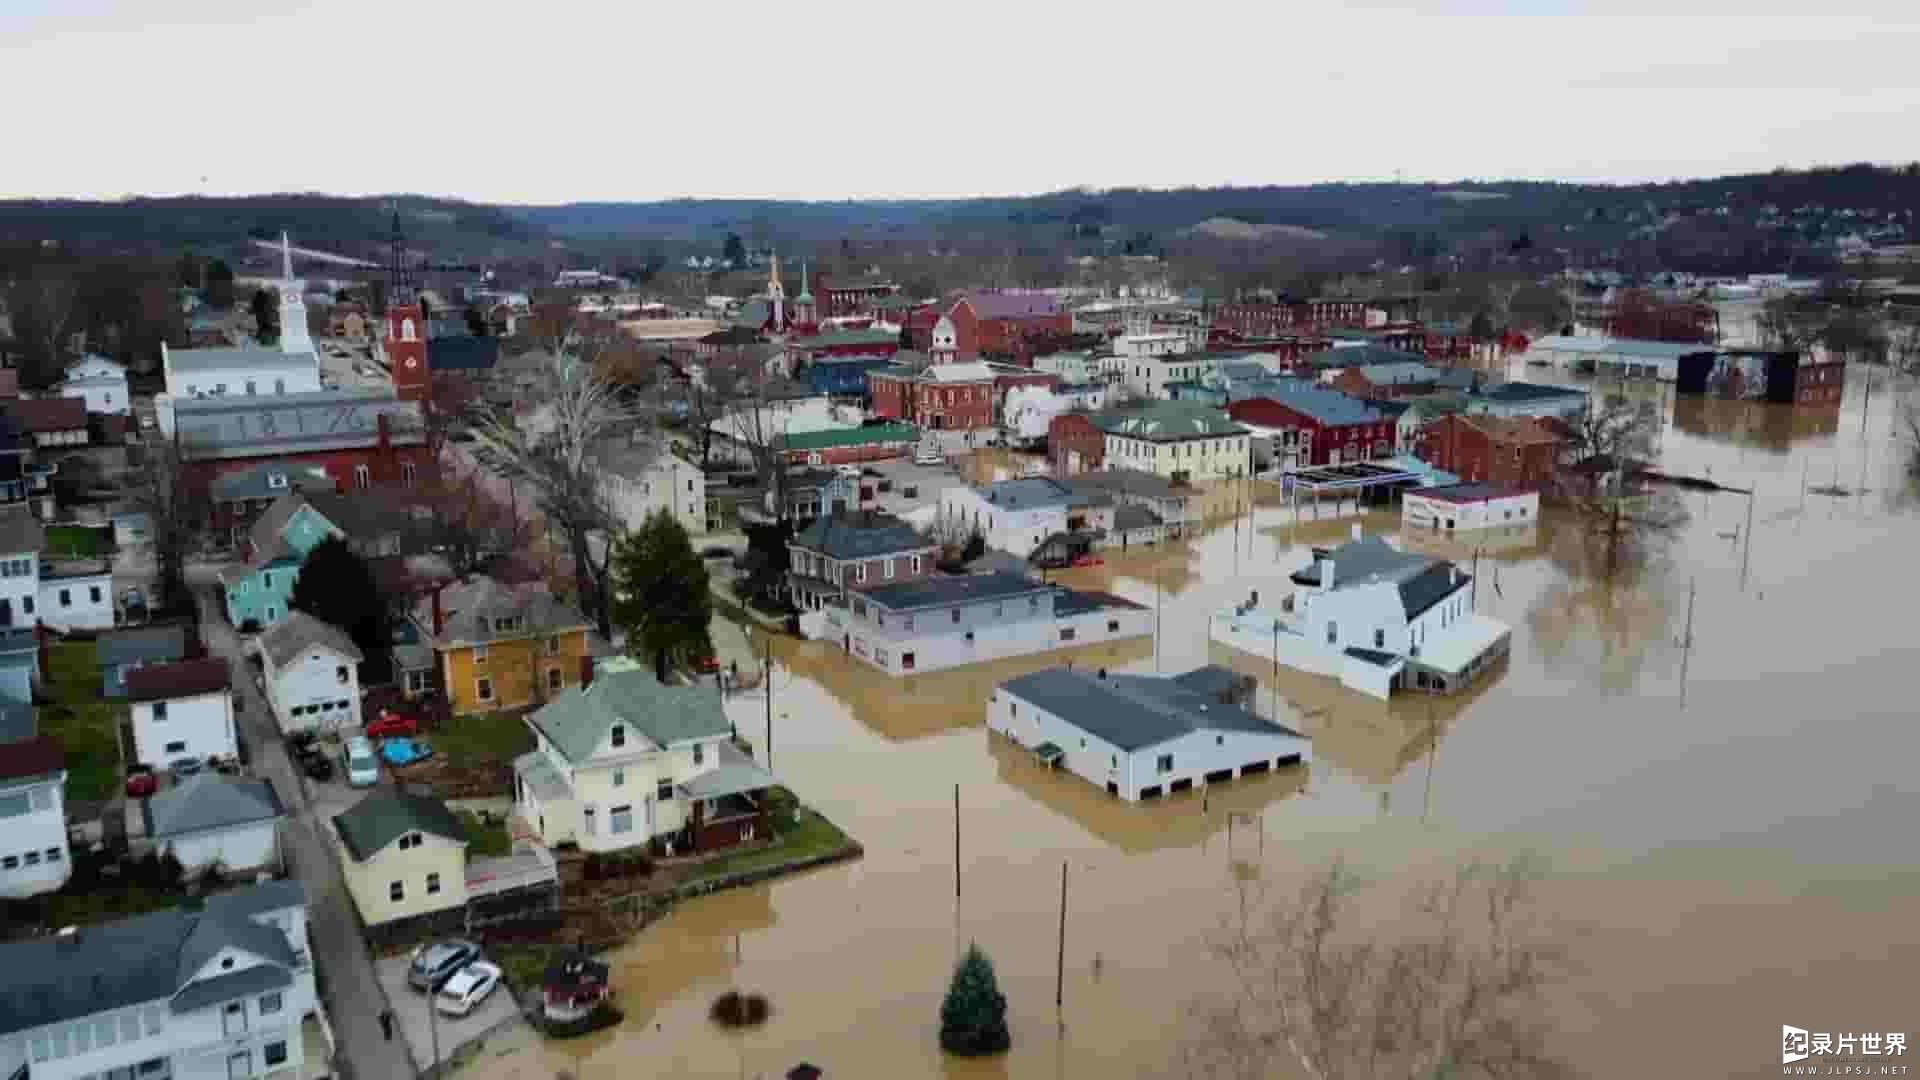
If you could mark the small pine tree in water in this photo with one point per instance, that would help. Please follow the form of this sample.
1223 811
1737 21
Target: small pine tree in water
973 1019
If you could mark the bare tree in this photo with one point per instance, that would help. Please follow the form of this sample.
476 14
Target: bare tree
176 507
1909 423
1319 988
710 391
553 454
757 425
1620 516
44 308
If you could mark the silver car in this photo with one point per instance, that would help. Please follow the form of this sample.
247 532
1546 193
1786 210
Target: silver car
434 964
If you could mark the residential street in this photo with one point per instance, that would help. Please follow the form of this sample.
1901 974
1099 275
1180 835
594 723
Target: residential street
350 987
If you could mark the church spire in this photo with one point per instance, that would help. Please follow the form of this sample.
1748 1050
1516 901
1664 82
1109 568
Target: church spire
400 290
286 257
294 336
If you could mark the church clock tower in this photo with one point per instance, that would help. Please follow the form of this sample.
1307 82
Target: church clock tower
406 329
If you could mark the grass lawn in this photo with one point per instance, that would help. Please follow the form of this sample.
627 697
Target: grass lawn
74 541
87 725
485 839
812 835
468 740
523 965
108 904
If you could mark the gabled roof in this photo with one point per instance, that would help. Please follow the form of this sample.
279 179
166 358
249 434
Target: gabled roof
142 644
232 358
147 958
470 608
860 536
1134 516
968 371
1028 492
299 632
36 755
1322 403
578 720
182 678
1135 482
256 482
386 813
839 338
20 530
1168 421
1421 581
210 801
999 305
1134 712
1362 356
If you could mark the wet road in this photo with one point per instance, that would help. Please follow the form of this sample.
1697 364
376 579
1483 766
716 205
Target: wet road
1714 870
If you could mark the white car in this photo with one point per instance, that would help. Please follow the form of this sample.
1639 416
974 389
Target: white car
929 454
468 987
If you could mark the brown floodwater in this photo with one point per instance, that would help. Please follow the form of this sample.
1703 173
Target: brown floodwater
1724 854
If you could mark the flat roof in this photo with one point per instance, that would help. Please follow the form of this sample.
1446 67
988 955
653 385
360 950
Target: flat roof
1467 493
952 589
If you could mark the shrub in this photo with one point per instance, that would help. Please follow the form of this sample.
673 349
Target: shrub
734 1009
250 626
973 1018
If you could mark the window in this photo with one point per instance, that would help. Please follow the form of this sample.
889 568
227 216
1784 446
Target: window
176 748
340 674
590 819
362 477
279 386
479 654
506 625
1333 633
553 678
33 858
1164 763
618 736
859 571
888 564
53 855
396 891
916 564
250 386
620 819
416 682
11 862
93 593
238 1065
26 605
619 778
406 473
66 597
160 710
553 646
276 481
699 753
406 330
266 580
433 884
1113 626
955 613
270 1003
483 689
1379 639
906 661
275 1053
409 841
664 793
1066 633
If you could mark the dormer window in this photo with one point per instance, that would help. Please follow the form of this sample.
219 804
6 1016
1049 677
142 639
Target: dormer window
619 736
409 841
506 625
277 481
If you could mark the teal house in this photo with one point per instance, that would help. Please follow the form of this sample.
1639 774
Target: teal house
258 590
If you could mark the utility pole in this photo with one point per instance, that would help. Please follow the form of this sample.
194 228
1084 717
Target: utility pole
1686 646
1158 590
1746 557
766 677
1060 960
956 847
433 1026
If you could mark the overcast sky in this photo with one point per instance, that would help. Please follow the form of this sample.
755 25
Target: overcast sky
558 100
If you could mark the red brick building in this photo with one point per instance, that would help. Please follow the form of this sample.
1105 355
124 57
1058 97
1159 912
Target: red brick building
1514 453
1313 425
360 441
1000 324
836 298
1288 316
1075 444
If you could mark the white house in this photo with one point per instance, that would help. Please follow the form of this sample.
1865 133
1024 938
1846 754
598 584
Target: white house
639 480
215 820
34 857
182 710
312 673
1028 411
210 994
950 621
1014 515
629 762
1176 439
22 538
1149 376
100 382
1376 618
1466 507
70 595
1143 736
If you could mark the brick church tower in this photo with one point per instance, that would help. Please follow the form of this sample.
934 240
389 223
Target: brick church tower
406 330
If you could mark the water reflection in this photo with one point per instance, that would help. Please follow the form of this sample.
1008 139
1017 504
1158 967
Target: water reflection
1602 632
1187 819
1758 424
1507 543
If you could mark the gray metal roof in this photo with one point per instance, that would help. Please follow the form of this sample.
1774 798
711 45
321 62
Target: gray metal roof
1525 391
534 770
210 801
860 535
1135 482
299 632
229 359
16 721
470 608
1327 405
20 530
1134 712
227 427
1134 516
144 644
386 813
256 482
1027 492
578 720
942 590
1408 371
1168 421
134 961
1422 581
732 774
240 984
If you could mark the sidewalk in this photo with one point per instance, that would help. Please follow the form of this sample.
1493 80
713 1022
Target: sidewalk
732 646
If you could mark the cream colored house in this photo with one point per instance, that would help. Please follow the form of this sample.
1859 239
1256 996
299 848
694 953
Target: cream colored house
630 762
403 856
1177 440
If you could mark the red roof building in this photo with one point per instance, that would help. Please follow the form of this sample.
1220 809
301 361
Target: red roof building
1513 453
999 323
1075 444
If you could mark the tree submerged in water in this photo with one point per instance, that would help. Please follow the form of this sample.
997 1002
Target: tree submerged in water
973 1018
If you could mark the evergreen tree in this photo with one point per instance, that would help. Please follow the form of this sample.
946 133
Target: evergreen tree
734 250
266 317
973 1018
219 294
661 597
336 586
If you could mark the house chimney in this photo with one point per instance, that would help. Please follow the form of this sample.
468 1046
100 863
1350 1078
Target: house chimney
1253 599
586 672
1103 673
1326 573
1453 573
439 616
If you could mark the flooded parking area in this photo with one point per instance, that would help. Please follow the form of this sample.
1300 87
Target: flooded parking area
1709 742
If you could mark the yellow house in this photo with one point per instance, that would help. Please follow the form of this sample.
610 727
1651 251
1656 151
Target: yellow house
497 646
403 856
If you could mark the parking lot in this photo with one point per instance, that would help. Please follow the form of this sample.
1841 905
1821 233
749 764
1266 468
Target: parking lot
420 1025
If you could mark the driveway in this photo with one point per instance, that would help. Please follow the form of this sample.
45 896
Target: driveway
350 987
424 1028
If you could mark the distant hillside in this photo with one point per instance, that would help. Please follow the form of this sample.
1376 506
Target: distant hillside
452 230
1225 228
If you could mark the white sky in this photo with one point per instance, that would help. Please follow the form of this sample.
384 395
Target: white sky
560 100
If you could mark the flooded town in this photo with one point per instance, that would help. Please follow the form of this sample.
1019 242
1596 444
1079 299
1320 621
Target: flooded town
695 614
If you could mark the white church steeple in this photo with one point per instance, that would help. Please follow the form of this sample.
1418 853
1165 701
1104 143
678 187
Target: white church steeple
293 309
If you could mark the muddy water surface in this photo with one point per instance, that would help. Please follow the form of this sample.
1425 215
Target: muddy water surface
1716 869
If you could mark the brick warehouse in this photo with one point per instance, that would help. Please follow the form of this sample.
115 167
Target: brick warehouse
1000 324
1513 453
1313 425
361 440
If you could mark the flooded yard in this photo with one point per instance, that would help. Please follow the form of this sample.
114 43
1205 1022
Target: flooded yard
1725 852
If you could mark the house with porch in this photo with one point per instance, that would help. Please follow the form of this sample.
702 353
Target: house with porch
629 762
499 645
1016 515
1374 617
1143 736
846 550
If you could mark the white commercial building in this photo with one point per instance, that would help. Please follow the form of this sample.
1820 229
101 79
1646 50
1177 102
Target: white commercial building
1376 618
182 710
1143 736
1149 376
100 382
950 621
1466 507
209 994
1619 357
312 674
